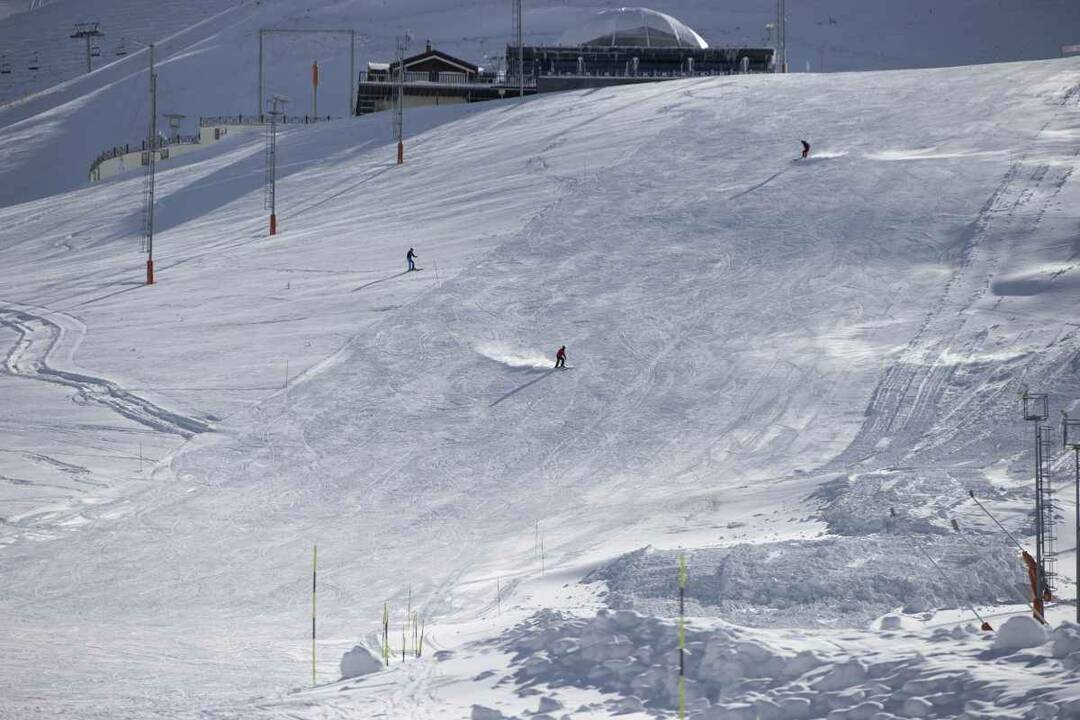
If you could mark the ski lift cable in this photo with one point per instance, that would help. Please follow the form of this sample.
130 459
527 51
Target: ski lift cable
971 494
979 552
984 625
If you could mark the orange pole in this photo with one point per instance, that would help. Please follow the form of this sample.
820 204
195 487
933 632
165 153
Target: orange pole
149 272
1033 578
273 224
400 153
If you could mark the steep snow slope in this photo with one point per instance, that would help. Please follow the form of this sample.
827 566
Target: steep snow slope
208 54
761 350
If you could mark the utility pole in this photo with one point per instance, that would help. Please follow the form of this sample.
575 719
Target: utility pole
314 89
519 42
352 72
259 99
399 107
151 169
1070 434
270 186
781 36
87 31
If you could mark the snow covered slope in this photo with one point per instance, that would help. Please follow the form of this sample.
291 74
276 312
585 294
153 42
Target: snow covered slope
208 50
763 351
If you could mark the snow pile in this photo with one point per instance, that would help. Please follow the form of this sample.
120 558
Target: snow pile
359 661
1020 633
1066 645
738 673
836 580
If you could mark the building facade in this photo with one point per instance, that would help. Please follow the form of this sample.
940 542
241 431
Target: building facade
614 47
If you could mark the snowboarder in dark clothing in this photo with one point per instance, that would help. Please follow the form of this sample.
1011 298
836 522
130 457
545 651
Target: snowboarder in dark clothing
409 259
560 357
805 148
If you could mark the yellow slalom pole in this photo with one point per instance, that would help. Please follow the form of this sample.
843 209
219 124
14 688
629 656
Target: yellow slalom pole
314 566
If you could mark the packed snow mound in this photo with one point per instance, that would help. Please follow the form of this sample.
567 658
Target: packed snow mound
358 662
1067 640
1019 633
832 581
734 672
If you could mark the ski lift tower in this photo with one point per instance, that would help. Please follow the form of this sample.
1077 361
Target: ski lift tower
1070 436
270 186
87 32
150 153
1037 410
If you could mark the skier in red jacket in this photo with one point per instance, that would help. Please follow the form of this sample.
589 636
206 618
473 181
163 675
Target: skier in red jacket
560 357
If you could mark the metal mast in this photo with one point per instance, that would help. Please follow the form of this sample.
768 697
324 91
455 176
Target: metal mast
87 31
399 106
270 187
1070 435
519 42
1036 410
781 36
151 167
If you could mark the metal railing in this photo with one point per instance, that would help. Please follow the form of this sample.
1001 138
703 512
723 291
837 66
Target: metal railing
163 144
390 77
218 120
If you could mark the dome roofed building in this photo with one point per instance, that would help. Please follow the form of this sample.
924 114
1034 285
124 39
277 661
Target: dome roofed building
630 45
632 27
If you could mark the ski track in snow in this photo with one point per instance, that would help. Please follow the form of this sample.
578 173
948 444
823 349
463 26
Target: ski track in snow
45 351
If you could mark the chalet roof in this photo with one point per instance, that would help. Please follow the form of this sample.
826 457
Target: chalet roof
430 53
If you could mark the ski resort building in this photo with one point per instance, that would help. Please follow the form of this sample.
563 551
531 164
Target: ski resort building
614 47
430 78
632 45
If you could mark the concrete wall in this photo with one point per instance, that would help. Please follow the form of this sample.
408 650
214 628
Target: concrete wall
419 101
134 159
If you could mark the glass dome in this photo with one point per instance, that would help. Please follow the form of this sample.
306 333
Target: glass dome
632 27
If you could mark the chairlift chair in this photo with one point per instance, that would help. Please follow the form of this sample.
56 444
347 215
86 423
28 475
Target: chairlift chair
121 51
95 51
5 66
34 63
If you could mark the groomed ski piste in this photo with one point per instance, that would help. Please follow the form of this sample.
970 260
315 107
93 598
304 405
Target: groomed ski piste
793 373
